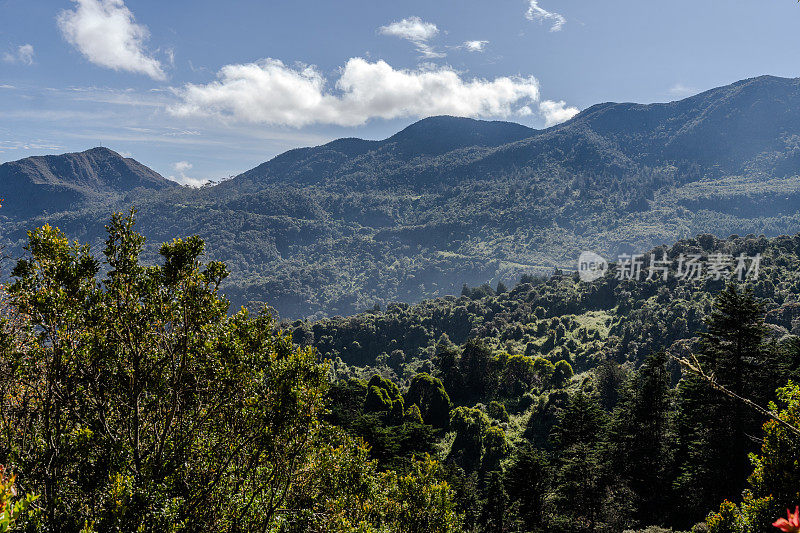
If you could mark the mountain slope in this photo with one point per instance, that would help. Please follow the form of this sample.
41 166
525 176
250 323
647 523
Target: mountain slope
57 182
425 139
336 228
751 125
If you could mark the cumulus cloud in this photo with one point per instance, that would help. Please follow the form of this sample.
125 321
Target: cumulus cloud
270 92
538 13
475 46
556 112
106 33
24 54
417 31
181 168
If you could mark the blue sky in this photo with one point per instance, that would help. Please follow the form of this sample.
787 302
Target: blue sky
203 89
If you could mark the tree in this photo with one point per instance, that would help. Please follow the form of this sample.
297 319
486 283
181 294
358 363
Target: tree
639 455
774 484
138 402
428 393
527 481
342 490
713 428
579 492
609 378
384 395
470 426
447 359
494 509
477 369
562 373
518 375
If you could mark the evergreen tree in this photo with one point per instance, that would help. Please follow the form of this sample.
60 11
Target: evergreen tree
579 491
638 456
527 480
714 429
494 509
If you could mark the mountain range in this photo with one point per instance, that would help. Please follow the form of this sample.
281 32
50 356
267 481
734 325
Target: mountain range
338 228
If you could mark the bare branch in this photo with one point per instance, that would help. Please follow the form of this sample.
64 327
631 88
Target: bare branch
693 365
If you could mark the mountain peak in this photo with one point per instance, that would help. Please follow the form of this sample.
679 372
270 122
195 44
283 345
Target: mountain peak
444 133
69 179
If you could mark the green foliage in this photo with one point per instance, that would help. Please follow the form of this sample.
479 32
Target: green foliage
431 398
528 480
714 432
344 491
498 411
16 513
384 395
774 484
470 426
577 438
562 373
639 454
136 402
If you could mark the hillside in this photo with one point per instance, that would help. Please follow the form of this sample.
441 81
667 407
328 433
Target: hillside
630 431
337 228
559 405
58 182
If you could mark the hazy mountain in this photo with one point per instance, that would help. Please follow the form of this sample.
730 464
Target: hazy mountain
57 182
338 227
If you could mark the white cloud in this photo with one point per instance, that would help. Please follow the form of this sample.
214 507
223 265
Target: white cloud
417 31
181 168
556 112
535 12
24 54
475 46
681 90
106 33
269 92
413 29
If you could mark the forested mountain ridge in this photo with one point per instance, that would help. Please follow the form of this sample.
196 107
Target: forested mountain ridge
58 182
727 130
337 228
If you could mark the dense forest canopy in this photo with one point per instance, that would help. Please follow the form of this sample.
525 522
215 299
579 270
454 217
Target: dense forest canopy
135 399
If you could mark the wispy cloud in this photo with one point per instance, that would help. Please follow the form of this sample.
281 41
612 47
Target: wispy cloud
37 144
538 13
106 33
23 54
181 168
269 92
680 90
475 46
416 31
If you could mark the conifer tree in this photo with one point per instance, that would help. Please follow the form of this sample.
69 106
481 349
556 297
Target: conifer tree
715 429
579 490
639 436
